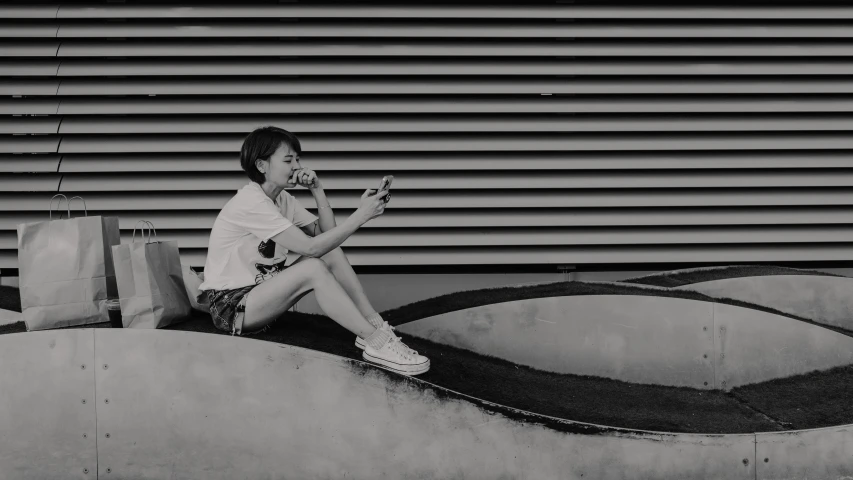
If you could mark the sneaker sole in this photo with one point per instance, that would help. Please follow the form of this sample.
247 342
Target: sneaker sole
359 342
396 367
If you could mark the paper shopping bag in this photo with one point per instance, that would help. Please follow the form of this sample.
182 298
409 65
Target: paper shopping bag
150 281
193 280
66 269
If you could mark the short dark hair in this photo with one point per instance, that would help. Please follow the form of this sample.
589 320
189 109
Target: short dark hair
262 143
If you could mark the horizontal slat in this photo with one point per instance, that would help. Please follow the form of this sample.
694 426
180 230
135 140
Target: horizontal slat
28 163
598 255
455 123
29 48
476 29
468 142
198 239
29 86
557 236
442 86
29 68
688 254
460 48
120 201
24 182
557 217
29 124
455 11
425 104
355 68
48 29
28 106
403 161
519 179
29 143
29 11
134 162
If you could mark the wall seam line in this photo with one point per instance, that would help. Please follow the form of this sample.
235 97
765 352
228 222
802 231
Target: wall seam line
755 455
95 397
714 341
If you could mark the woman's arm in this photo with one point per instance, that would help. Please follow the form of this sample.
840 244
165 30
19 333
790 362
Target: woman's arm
333 235
294 240
324 211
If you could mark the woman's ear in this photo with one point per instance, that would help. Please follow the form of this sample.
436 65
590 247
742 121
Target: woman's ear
259 164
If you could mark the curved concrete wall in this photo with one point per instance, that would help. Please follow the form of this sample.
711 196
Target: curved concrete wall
47 405
823 299
170 404
824 453
642 339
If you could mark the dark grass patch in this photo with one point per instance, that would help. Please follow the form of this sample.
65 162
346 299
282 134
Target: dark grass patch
813 400
10 298
13 328
679 278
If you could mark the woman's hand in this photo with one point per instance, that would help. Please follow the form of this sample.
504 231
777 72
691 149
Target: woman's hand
306 178
371 205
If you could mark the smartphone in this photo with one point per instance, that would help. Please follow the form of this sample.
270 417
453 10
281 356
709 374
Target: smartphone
386 184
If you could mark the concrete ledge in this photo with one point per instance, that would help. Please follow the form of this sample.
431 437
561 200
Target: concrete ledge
175 404
642 339
824 453
823 299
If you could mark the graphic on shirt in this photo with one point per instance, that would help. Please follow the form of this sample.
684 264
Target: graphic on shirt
267 249
266 272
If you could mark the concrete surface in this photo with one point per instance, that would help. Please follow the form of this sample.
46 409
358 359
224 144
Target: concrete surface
642 339
8 317
819 454
827 300
175 404
753 346
46 429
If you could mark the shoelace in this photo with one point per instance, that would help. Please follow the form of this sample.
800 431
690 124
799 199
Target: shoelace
402 347
398 343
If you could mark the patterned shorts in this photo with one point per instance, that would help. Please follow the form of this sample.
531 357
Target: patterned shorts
228 307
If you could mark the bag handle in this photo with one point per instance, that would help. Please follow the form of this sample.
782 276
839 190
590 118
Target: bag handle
142 231
85 209
149 232
67 206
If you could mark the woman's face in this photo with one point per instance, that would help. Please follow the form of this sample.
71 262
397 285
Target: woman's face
280 167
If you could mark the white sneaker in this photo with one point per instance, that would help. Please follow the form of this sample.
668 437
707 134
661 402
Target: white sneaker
359 342
396 356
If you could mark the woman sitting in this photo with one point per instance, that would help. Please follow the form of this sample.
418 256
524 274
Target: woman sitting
246 279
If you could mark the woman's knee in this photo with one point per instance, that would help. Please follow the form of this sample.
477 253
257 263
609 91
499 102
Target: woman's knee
316 267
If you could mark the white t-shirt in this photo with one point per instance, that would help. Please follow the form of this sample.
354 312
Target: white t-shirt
241 252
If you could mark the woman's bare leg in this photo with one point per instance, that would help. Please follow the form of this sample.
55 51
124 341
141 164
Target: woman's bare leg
271 299
341 268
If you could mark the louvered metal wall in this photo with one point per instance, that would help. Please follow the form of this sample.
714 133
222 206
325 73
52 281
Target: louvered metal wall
518 134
